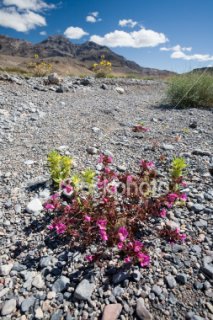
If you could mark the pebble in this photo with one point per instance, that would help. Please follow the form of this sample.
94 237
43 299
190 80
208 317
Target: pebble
181 278
34 206
142 311
170 281
120 90
112 311
27 304
5 269
9 307
61 284
38 282
84 290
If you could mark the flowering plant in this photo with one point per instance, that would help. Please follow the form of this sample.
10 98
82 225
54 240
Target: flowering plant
103 68
114 214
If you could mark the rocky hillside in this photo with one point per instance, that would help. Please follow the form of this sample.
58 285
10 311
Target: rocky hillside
60 50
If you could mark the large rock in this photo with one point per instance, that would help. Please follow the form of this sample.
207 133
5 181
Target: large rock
38 282
112 311
141 310
34 206
61 284
84 290
5 269
53 78
8 307
120 90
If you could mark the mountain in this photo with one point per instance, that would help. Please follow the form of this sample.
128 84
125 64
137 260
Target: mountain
63 54
206 70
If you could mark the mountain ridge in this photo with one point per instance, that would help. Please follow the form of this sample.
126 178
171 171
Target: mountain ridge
85 54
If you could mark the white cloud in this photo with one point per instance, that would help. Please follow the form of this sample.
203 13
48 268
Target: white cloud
196 57
93 17
34 5
22 22
136 39
75 33
43 33
176 48
127 23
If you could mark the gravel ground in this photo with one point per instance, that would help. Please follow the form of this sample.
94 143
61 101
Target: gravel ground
42 279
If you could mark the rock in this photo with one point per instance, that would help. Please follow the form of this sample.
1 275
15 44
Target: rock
62 89
92 150
168 147
121 168
17 209
5 269
39 313
84 290
104 86
112 311
61 284
34 206
181 278
118 291
38 282
96 130
57 315
45 261
193 124
53 78
27 304
157 290
197 207
170 281
141 310
120 90
119 277
208 270
9 306
51 295
199 152
85 82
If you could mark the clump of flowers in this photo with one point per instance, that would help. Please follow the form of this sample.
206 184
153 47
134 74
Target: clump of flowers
110 209
103 68
40 68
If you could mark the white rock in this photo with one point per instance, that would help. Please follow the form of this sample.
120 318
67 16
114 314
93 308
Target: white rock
34 206
29 162
120 90
51 295
8 307
39 313
5 269
38 282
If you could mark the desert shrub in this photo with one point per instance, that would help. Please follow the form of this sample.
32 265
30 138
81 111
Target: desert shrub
103 68
191 90
40 68
110 210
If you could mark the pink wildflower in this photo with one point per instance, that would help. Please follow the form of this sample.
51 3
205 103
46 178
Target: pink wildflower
49 206
172 197
184 184
60 228
51 227
147 165
183 197
103 235
54 196
113 189
163 213
101 223
127 259
107 170
137 245
120 245
101 158
129 179
183 237
87 218
122 233
109 159
143 259
89 258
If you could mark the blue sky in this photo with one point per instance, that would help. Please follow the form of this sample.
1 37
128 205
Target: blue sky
165 34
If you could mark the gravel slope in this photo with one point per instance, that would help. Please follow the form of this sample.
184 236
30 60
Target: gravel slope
40 280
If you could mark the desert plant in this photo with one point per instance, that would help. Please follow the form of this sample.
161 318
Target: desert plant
115 213
191 90
103 68
40 68
60 167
